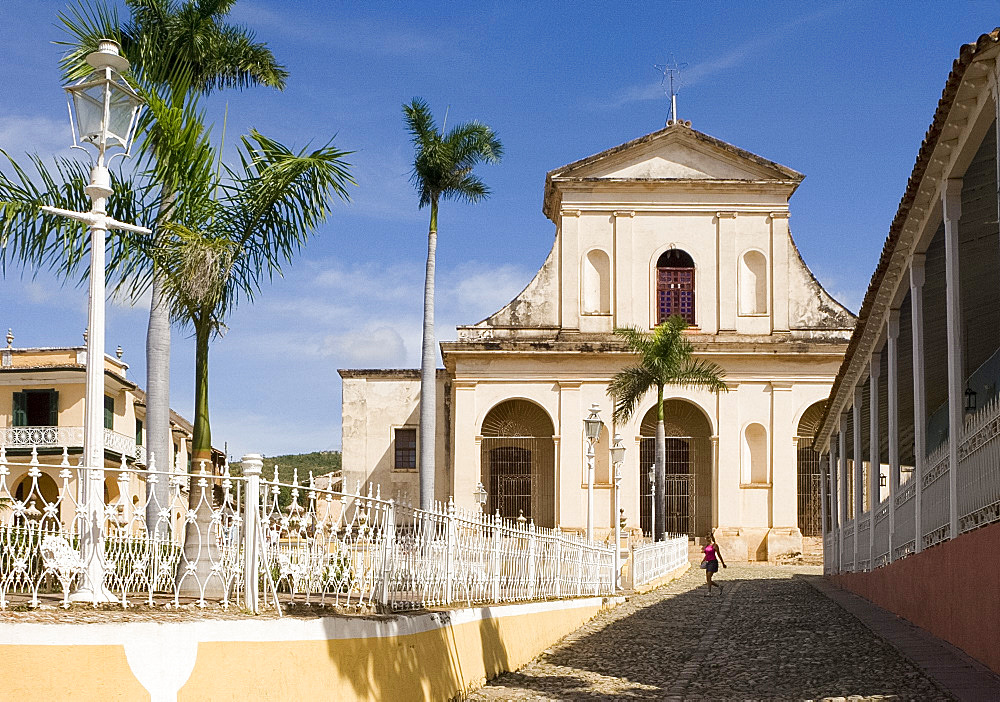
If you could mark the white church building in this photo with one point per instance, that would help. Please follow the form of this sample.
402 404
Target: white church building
674 222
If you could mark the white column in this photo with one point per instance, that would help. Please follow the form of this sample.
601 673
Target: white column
859 491
874 457
569 269
835 501
842 470
893 392
824 462
919 390
951 200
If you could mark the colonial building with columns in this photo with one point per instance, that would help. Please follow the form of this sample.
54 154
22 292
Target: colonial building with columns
674 222
911 437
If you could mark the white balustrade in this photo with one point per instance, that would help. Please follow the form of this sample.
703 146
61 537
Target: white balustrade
59 437
657 559
935 508
979 468
232 537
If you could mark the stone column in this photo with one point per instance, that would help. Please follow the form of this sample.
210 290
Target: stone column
951 201
919 390
892 391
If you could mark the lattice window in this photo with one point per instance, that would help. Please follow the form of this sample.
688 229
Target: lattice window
675 286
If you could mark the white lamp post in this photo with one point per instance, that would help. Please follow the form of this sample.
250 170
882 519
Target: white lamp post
652 501
480 495
617 458
592 430
104 112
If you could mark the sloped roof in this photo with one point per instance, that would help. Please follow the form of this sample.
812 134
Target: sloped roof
891 249
580 169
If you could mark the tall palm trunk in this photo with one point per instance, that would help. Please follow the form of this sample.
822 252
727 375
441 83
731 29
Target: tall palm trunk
661 470
428 372
201 548
159 442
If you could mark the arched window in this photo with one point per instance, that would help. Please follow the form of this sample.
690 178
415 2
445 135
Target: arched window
753 283
596 283
755 454
675 286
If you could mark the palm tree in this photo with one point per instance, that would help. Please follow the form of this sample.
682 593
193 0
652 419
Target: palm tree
665 358
179 49
442 170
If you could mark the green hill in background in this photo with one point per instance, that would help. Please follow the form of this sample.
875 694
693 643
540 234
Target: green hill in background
319 462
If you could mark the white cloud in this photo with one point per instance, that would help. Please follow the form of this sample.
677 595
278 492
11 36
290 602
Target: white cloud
371 347
33 134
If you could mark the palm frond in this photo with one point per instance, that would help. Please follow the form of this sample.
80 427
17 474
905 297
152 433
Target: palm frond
627 388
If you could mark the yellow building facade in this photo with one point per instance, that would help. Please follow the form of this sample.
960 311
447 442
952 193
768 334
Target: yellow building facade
675 222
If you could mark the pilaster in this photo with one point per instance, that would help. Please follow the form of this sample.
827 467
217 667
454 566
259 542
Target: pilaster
779 271
730 506
726 275
569 268
571 508
784 464
621 269
467 443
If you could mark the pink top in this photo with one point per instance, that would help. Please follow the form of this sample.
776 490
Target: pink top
710 553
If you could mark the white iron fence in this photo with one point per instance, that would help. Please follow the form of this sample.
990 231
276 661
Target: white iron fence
920 511
654 560
101 535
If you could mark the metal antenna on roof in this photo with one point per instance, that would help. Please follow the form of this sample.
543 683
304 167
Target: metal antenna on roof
671 84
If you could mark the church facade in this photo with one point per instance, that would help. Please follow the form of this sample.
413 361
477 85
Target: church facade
675 222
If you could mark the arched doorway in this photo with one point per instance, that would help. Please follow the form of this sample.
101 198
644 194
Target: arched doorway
688 495
810 512
675 286
518 462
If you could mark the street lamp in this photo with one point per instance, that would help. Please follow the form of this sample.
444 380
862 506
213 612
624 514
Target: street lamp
592 430
652 501
617 458
104 112
480 495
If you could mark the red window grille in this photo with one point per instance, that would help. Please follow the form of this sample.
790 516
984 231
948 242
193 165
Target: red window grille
675 293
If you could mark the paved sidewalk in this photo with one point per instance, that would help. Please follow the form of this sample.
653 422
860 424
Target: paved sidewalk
962 676
769 636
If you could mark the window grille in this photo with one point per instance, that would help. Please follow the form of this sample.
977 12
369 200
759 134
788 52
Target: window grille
406 449
675 294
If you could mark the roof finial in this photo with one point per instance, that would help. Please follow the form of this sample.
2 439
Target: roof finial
671 84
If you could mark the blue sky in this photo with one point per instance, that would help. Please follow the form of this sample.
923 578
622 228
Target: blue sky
842 92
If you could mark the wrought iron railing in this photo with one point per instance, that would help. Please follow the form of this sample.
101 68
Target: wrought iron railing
250 542
655 560
63 437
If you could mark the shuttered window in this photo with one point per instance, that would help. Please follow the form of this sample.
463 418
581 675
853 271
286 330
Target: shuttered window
109 412
36 408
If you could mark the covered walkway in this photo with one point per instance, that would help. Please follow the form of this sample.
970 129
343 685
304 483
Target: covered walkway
772 634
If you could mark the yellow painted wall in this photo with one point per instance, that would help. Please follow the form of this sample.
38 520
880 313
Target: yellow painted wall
344 658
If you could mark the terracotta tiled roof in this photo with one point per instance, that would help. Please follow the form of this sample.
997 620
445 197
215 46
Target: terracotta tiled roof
966 55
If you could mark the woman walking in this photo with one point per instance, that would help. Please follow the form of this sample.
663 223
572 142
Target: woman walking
711 563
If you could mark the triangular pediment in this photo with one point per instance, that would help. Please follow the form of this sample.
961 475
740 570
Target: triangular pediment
677 153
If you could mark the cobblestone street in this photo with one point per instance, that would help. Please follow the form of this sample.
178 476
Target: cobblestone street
769 636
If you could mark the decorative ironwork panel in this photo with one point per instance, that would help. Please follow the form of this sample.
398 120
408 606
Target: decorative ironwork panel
675 294
809 505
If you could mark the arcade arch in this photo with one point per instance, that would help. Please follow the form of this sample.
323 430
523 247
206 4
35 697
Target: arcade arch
688 494
518 462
